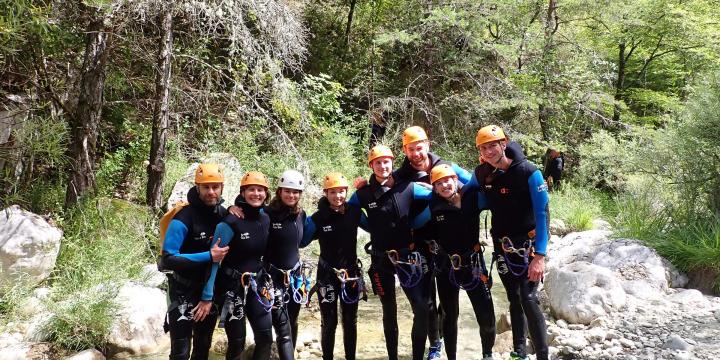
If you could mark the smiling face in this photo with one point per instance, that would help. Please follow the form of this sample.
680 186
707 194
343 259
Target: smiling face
210 193
382 167
417 153
336 196
446 187
492 152
290 197
254 195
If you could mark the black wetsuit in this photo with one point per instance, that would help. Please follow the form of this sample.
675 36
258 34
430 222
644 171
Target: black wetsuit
247 239
456 231
283 254
389 212
518 201
337 234
186 252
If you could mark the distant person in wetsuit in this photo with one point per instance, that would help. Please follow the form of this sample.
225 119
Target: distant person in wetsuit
554 166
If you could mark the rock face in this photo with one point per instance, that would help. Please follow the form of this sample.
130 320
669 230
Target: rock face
581 292
621 300
233 173
138 327
29 246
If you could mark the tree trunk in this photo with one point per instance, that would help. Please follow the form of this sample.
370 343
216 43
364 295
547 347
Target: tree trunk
620 83
544 109
348 26
84 123
161 115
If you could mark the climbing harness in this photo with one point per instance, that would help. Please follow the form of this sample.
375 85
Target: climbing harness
295 284
234 304
357 282
415 263
479 271
524 252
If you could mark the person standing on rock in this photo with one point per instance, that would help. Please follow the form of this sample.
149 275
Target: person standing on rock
243 288
388 204
339 271
453 216
187 253
517 198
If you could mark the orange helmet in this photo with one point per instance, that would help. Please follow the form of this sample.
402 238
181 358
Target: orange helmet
335 180
209 173
489 133
441 171
413 134
254 178
379 151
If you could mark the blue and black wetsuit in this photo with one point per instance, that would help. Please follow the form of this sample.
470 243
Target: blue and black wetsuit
186 252
407 172
389 213
283 255
518 200
247 239
337 233
459 262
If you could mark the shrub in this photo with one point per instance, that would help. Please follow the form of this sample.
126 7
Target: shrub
576 206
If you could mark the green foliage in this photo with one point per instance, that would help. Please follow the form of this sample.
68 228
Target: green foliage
603 163
577 207
82 321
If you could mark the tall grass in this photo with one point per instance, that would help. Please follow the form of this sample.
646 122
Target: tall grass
106 242
690 243
577 207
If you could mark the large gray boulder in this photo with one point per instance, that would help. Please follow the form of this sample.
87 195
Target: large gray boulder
138 326
582 292
29 246
233 173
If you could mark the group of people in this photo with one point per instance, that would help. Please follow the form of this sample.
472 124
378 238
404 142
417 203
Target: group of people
424 224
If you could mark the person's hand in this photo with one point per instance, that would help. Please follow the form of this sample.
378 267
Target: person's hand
202 310
359 182
218 253
536 268
237 211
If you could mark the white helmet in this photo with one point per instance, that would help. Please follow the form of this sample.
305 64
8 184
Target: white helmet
291 179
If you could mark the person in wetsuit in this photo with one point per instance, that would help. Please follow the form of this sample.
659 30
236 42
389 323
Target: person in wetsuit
453 219
517 197
282 259
243 289
388 205
339 276
187 253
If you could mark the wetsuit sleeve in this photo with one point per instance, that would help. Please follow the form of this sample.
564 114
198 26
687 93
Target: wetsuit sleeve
308 232
364 221
224 232
421 219
472 183
174 238
540 201
354 200
421 193
463 175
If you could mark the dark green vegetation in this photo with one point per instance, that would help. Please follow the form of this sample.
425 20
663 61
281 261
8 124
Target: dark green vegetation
629 90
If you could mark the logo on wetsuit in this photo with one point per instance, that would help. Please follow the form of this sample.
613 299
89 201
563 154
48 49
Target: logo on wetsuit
327 228
277 225
245 236
372 205
440 218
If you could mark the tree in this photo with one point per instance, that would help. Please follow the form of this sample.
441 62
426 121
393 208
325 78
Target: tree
161 112
85 121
